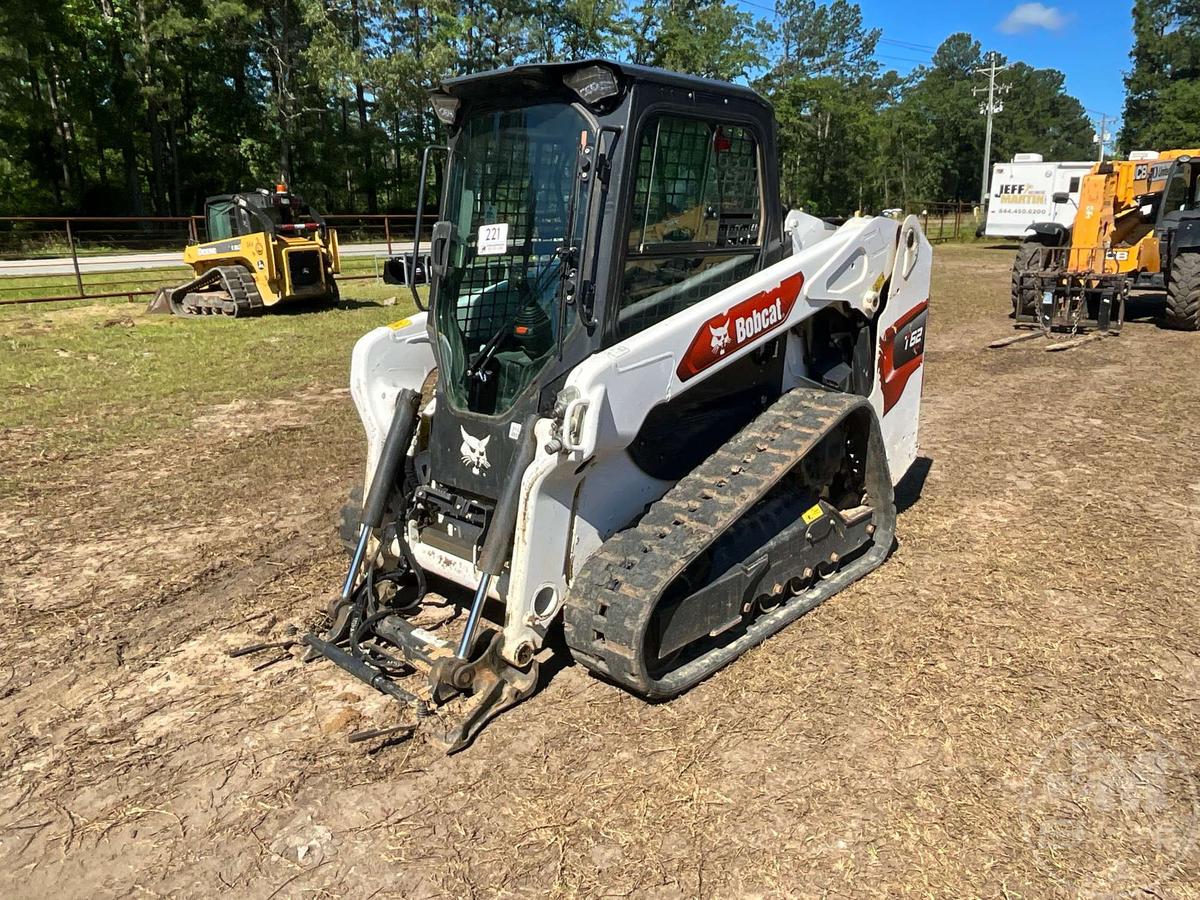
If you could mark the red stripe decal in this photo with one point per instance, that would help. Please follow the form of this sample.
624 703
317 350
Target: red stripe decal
901 352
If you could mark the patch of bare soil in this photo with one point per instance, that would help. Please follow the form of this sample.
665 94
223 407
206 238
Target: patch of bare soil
1009 705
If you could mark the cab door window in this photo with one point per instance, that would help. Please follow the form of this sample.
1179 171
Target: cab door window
220 224
695 223
1175 197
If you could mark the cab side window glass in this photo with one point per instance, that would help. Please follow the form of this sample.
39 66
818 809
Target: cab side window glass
220 225
1175 196
697 208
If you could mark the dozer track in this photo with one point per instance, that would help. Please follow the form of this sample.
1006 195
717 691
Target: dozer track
221 291
803 549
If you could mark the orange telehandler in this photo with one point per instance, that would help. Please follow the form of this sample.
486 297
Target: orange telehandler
1138 225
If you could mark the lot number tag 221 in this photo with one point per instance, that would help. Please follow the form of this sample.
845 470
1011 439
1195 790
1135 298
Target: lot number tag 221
492 239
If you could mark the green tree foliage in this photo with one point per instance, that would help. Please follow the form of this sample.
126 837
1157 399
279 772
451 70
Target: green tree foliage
826 91
148 106
852 137
943 115
1162 99
713 38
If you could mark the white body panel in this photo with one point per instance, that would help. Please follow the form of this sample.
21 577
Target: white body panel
908 292
385 361
568 508
1022 193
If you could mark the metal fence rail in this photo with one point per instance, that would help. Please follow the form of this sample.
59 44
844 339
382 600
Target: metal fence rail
46 259
953 221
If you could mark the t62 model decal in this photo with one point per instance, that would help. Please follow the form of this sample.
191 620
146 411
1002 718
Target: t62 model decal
901 352
740 325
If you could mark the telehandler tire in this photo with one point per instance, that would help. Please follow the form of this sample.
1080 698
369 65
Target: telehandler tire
1183 293
1030 257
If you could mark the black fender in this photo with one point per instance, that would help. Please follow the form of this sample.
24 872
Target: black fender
1186 238
1049 234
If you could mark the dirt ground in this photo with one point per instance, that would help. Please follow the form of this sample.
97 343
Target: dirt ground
1009 706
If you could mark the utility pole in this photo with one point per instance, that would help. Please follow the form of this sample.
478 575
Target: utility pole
1101 136
992 107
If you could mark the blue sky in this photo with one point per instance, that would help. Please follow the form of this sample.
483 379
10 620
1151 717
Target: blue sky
1088 42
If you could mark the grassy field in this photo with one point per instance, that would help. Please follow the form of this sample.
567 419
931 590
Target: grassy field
84 377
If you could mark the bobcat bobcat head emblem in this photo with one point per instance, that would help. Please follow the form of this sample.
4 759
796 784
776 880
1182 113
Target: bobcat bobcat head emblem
474 452
720 338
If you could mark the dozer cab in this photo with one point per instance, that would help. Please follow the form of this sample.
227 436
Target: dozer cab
263 248
648 419
1138 226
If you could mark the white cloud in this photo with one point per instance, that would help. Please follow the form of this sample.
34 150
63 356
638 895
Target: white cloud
1026 16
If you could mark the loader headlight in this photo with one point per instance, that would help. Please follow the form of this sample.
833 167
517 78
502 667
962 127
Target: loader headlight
593 84
445 108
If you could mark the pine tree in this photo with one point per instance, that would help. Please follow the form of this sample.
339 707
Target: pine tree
1163 85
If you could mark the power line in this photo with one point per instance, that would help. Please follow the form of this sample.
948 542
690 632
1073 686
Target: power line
904 45
772 10
902 58
907 45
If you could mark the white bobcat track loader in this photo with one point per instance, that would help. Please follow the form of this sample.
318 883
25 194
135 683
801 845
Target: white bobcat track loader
643 403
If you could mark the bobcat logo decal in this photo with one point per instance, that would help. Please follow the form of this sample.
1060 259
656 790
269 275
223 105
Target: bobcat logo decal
720 338
739 326
474 452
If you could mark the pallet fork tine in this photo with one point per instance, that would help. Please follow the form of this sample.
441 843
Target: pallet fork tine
1074 342
1013 339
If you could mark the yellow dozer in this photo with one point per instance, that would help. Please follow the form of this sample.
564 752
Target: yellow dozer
263 248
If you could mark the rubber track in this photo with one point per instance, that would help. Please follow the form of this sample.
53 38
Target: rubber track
238 283
612 598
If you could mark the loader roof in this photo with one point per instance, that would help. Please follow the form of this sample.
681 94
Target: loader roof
540 77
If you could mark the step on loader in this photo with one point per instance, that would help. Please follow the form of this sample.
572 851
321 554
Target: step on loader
646 415
263 248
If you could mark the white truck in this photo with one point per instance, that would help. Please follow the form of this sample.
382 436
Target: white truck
1023 190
